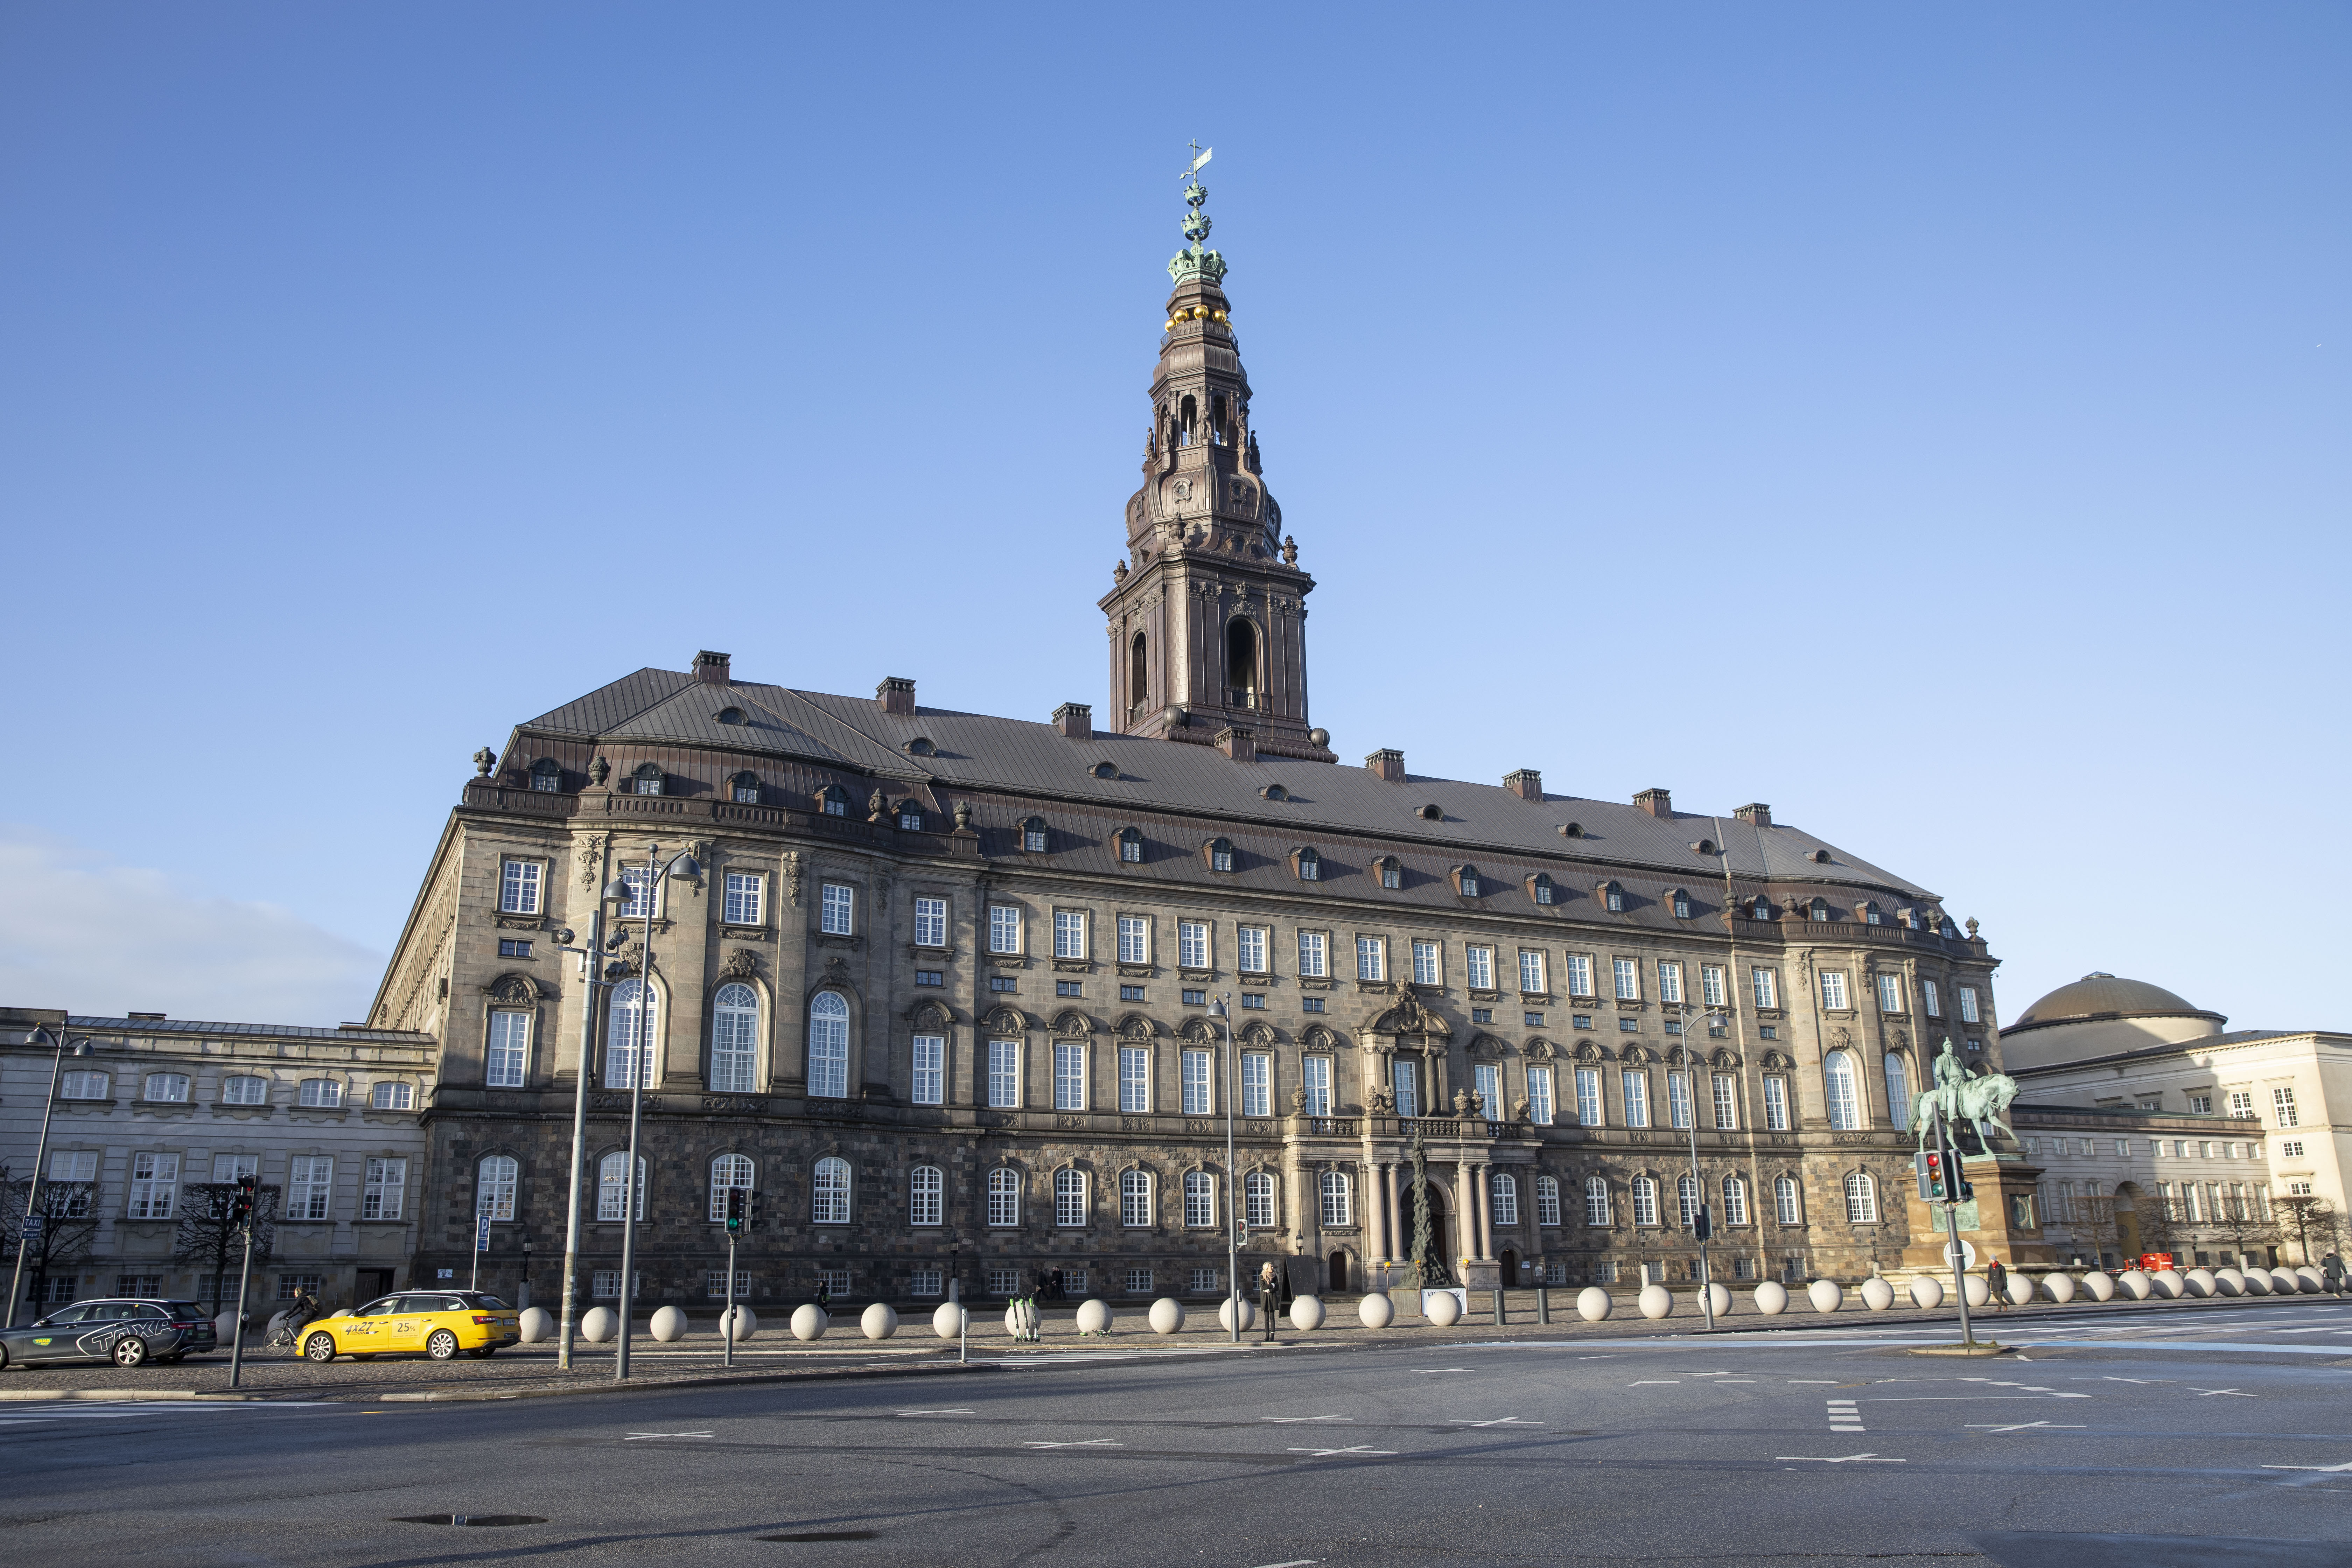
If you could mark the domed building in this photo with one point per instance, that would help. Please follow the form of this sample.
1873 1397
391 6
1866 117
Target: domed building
2099 1014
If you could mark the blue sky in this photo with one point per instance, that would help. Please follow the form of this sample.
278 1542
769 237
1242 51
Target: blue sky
1931 420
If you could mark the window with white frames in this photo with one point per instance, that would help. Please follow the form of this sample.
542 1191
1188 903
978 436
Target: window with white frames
930 1062
1135 1199
636 905
169 1088
1833 996
1069 1075
1588 1097
1478 968
519 887
1539 1100
1629 980
1221 855
509 1058
1391 874
744 789
1596 1200
1134 1080
1405 1082
1339 1205
1257 1199
1032 836
1003 928
1310 865
1315 1077
828 1046
728 1172
1372 958
154 1186
2283 1110
1004 1074
1503 1198
1314 955
1069 934
1645 1200
1426 969
1258 1083
1004 1197
1929 1000
1890 993
80 1166
1687 1200
1069 1196
1637 1098
243 1090
311 1187
1678 1100
931 922
1613 897
387 1181
604 1285
1580 974
1898 1093
1843 1093
321 1093
837 911
1250 949
1726 1102
611 1185
1134 939
1767 987
226 1167
1968 1004
1200 1077
495 1180
1711 984
1670 982
1548 1202
1776 1104
1734 1200
1200 1199
1533 981
1130 846
1786 1207
829 1192
1861 1198
734 1039
1192 944
1487 1077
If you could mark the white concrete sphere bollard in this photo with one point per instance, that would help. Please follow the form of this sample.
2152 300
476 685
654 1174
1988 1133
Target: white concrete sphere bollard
1771 1297
1225 1315
1094 1316
2199 1282
2310 1280
2255 1282
810 1322
1443 1311
1978 1293
224 1328
1826 1294
1877 1294
738 1324
1306 1312
2284 1282
2229 1282
669 1325
2099 1285
538 1325
949 1319
2166 1283
1719 1298
879 1321
1376 1311
2133 1283
1654 1302
2019 1289
2059 1287
1593 1304
1927 1292
1167 1315
598 1324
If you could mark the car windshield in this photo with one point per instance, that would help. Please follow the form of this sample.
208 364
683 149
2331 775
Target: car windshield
489 1302
378 1308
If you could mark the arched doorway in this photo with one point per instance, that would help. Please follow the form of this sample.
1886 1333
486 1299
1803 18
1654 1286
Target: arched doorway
1510 1262
2126 1202
1336 1278
1241 664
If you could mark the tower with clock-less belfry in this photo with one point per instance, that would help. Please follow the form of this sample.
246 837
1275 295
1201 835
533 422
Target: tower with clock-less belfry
1208 619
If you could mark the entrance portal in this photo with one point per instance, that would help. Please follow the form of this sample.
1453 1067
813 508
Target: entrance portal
1337 1278
1510 1262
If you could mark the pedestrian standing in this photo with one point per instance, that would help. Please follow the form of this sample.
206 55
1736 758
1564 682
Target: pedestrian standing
2332 1267
1997 1281
1269 1296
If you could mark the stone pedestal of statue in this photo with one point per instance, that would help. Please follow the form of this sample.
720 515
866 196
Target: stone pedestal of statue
1478 1273
2004 1220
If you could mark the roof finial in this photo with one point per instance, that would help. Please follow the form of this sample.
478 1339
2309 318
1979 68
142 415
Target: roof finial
1196 257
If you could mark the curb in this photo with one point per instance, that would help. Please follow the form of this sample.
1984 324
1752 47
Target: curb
124 1395
454 1396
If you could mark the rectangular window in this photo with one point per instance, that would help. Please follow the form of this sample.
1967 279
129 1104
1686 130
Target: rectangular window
1533 981
1130 994
1596 1201
1134 1080
1478 965
1580 974
1776 1104
321 1093
1069 988
714 1284
1637 1098
837 913
1192 944
1069 1075
1629 980
1532 1020
1003 928
1069 1202
1629 1025
1726 1102
519 887
386 1182
1426 969
1069 934
83 1086
1588 1097
930 1069
1670 982
154 1185
747 898
1314 955
1372 958
1482 1014
1404 1081
1487 1079
1254 1001
1766 986
1928 995
509 947
1968 1004
1250 949
604 1285
1833 996
1200 1079
1134 939
1257 1084
1316 1076
1257 1199
1006 984
931 922
171 1087
1711 984
930 977
1193 998
637 905
309 1186
1310 1004
509 1054
2282 1106
1004 1073
1890 993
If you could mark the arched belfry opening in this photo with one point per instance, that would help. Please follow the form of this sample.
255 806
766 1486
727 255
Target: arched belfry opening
1241 664
1138 675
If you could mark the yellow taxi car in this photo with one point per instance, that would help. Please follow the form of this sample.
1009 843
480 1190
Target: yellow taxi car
442 1324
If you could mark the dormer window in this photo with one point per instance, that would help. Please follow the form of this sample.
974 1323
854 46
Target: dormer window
1612 898
1308 864
1762 909
1543 890
1274 791
1432 813
1221 855
730 715
743 789
1679 901
1392 871
1571 830
1870 917
648 780
547 775
1465 880
1704 846
920 746
1820 910
832 801
910 817
1130 846
1033 835
1105 769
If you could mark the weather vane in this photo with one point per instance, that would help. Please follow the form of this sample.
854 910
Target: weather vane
1201 155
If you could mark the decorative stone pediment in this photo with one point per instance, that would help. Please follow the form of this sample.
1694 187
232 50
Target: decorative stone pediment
1197 1030
514 988
1008 1021
1591 1051
1136 1027
1774 1061
1319 1038
1487 1047
1257 1034
1727 1060
932 1015
1636 1056
1073 1024
741 964
1410 1017
1539 1050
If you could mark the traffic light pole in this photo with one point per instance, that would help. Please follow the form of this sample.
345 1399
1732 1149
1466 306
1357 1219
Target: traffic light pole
726 1323
236 1329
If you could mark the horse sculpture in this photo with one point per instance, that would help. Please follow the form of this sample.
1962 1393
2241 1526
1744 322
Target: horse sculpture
1961 1096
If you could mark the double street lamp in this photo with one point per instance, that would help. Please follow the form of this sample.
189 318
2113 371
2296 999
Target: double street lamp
1699 1218
41 1159
1233 1215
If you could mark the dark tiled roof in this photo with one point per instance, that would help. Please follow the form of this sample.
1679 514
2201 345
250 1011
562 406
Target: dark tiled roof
272 1031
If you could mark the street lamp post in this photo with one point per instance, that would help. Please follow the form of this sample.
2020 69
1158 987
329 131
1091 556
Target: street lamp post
41 1160
591 981
682 864
1699 1215
1233 1184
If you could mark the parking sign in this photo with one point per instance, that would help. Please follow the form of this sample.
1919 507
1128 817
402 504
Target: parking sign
482 1234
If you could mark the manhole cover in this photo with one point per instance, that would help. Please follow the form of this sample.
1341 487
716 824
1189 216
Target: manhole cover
487 1519
820 1535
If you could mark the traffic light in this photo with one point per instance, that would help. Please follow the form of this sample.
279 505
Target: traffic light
240 1203
1931 1174
739 1209
1702 1224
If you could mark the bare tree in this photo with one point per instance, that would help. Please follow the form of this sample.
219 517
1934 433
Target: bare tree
70 1224
2160 1224
208 1237
2312 1221
2240 1220
2093 1223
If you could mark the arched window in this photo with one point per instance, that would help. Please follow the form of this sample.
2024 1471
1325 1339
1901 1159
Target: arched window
832 801
1135 1198
1680 902
1871 915
632 1024
744 788
1786 1208
1734 1200
1546 891
1547 1201
1033 835
1200 1199
1596 1200
1391 872
1820 910
649 779
1465 880
1069 1196
926 1195
734 1039
1130 846
1645 1200
728 1172
1004 1196
829 1192
547 774
1613 897
494 1188
1861 1198
1241 664
1503 1192
1338 1200
1898 1092
1845 1100
1139 674
1762 909
1221 855
612 1183
1257 1199
828 1064
1309 864
1686 1199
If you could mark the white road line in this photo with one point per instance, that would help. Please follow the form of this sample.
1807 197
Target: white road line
1089 1443
1499 1421
1653 1382
1359 1448
640 1437
1434 1371
932 1412
2024 1426
1295 1562
1293 1420
2331 1469
2143 1381
2209 1393
1840 1459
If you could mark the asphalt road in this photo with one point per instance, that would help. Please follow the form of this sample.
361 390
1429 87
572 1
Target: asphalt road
2227 1434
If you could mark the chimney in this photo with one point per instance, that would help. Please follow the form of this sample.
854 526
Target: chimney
1757 813
1388 764
1527 783
1656 802
897 695
711 669
1076 720
1238 743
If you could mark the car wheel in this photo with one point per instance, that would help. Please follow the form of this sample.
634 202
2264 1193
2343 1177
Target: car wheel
320 1348
129 1351
442 1346
4 1358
